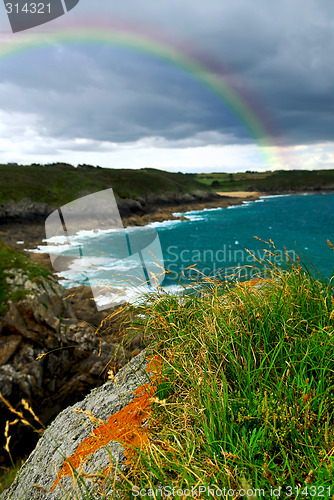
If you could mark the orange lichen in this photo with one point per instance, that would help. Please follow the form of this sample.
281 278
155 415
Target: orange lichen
125 426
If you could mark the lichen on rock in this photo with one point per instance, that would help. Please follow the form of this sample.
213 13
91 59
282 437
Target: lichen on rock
73 430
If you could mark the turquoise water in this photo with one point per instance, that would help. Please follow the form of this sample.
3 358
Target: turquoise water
219 238
214 242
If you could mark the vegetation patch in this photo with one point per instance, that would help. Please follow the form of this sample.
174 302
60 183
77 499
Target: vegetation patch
12 260
278 181
58 183
252 372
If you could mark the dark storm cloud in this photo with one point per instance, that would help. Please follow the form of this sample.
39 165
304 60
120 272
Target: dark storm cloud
279 53
111 100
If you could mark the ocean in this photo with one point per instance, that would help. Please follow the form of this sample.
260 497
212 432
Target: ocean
218 242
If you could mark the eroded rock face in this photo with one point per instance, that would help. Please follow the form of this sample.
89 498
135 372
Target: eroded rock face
49 357
62 438
23 209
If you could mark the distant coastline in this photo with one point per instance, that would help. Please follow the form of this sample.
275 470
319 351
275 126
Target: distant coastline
232 226
29 228
29 232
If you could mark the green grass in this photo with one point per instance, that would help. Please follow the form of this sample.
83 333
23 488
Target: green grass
278 181
7 474
248 387
59 183
11 259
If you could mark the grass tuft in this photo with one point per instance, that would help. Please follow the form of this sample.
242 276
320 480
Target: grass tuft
248 383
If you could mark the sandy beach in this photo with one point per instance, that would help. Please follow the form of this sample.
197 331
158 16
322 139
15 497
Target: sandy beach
240 194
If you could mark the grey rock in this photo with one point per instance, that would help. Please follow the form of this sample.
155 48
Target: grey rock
61 439
24 209
8 377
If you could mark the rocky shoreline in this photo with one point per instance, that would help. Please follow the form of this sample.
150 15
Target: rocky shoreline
22 225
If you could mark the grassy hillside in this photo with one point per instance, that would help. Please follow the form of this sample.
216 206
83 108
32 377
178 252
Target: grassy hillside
269 182
60 183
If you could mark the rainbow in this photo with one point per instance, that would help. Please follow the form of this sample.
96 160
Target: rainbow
196 66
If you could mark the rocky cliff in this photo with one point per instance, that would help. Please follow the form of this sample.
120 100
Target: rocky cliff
48 356
26 209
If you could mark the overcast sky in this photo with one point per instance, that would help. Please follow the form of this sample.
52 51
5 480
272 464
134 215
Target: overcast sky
117 106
